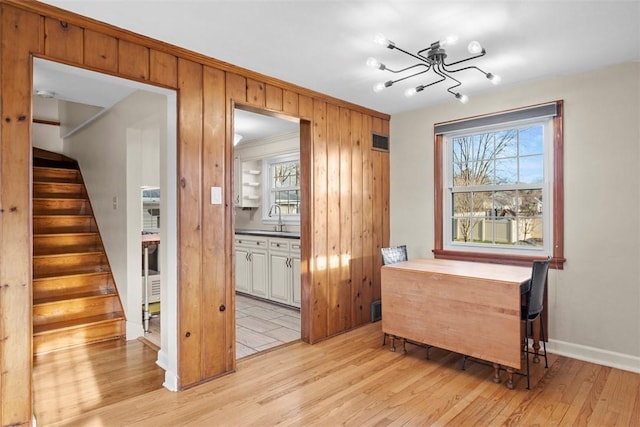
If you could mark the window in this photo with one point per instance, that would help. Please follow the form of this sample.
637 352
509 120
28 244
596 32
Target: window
283 188
499 187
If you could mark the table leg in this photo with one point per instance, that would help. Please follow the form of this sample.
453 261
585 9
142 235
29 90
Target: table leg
510 372
536 339
496 373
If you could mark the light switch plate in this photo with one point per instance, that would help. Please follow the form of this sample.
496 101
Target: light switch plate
216 195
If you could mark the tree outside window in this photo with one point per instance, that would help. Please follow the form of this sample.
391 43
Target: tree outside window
284 186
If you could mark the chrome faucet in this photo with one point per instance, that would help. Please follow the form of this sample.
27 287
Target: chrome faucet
280 226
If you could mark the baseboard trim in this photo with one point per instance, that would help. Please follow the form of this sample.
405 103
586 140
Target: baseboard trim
599 356
170 378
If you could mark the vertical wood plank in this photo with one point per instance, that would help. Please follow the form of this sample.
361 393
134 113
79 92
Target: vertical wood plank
290 103
255 93
25 33
306 209
367 221
386 191
133 60
216 346
344 296
63 41
273 96
163 68
236 87
190 222
377 224
100 51
335 317
319 223
356 218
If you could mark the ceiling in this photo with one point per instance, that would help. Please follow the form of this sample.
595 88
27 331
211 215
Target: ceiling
323 45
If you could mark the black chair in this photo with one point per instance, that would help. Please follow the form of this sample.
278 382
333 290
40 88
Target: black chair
530 312
393 255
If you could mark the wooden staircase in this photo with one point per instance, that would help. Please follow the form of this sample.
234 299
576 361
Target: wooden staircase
75 300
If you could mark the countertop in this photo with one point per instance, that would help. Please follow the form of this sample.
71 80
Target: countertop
270 233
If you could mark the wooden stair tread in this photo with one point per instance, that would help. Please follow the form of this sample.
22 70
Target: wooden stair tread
58 216
78 323
60 297
68 274
67 254
73 275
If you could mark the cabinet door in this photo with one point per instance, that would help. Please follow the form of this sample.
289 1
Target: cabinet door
279 277
259 273
242 270
296 295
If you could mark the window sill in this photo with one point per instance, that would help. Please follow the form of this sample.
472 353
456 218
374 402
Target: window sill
525 261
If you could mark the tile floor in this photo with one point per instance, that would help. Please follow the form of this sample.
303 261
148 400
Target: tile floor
259 326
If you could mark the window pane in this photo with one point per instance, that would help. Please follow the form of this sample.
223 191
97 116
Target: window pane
506 171
531 141
506 144
532 169
530 217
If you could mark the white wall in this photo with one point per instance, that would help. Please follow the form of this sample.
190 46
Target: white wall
46 136
594 302
118 153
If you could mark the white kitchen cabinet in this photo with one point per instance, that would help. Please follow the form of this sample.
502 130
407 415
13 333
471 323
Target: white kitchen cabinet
284 264
251 265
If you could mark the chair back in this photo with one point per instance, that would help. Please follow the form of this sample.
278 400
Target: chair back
536 291
394 254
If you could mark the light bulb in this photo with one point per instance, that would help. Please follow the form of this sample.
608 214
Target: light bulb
494 78
383 41
449 40
462 98
372 62
410 92
474 47
378 87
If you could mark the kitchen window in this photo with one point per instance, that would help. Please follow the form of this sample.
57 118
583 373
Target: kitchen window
283 188
499 187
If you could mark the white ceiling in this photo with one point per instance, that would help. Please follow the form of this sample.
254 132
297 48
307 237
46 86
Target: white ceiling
323 45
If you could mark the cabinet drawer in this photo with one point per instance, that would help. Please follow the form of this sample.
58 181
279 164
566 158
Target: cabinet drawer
295 247
279 245
250 242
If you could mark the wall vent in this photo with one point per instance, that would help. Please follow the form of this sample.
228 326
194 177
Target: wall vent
376 311
380 142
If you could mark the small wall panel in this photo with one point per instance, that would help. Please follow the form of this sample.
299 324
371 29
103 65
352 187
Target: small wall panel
63 41
133 60
290 103
163 68
256 93
236 87
273 98
101 51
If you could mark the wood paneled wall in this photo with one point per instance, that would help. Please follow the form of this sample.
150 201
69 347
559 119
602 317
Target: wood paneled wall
345 213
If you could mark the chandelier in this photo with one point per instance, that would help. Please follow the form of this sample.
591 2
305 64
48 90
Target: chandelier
431 58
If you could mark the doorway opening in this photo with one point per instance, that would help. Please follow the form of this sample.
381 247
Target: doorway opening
123 135
267 205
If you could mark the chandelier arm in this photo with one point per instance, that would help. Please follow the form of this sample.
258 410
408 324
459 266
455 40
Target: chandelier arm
418 57
437 81
443 72
410 75
464 68
480 55
408 68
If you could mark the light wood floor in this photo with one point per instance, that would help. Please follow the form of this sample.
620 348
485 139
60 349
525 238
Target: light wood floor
348 380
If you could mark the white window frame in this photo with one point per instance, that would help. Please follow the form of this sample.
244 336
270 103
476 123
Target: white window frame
547 191
268 192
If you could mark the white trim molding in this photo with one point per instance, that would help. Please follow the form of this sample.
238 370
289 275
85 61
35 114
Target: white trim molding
595 355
